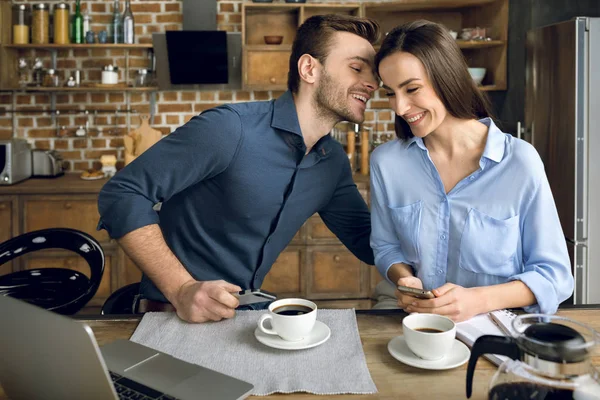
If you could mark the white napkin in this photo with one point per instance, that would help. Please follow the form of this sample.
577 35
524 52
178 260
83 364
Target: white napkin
335 367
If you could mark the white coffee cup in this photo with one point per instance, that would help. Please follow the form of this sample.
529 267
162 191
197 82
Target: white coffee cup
429 345
290 327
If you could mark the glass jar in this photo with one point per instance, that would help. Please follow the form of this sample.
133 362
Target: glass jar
141 79
51 78
21 21
61 23
40 24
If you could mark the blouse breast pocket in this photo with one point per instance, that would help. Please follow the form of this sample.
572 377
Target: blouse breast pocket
407 221
489 245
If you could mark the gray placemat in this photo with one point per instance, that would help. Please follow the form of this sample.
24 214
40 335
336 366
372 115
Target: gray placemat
335 367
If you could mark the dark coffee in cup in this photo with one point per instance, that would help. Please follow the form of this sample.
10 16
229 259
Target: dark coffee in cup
292 309
429 330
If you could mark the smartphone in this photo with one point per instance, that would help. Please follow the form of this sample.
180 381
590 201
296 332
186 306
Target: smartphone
418 293
252 296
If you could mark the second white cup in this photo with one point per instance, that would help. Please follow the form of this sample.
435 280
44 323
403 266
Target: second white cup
291 319
429 336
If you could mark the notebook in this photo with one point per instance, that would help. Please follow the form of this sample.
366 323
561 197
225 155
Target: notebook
494 323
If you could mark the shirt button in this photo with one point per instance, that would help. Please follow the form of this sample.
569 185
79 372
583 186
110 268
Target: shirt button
440 271
443 237
471 178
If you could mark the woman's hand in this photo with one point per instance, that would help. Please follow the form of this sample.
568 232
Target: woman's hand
456 302
409 281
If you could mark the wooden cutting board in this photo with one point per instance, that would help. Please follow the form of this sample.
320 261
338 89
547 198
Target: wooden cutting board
140 139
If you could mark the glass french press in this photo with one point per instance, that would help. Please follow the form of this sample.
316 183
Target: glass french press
549 358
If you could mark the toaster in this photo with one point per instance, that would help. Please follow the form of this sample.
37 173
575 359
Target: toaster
46 163
15 161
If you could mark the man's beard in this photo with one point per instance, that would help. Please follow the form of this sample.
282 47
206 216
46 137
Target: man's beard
331 101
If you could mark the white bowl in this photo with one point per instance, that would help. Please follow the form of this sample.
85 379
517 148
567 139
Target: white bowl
477 74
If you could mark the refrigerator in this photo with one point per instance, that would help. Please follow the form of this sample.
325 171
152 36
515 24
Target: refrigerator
562 121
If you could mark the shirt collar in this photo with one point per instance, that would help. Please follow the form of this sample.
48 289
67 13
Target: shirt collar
284 114
285 117
494 146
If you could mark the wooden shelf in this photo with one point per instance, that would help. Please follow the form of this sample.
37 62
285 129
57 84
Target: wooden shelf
490 88
268 47
54 46
86 89
416 5
296 6
479 44
472 44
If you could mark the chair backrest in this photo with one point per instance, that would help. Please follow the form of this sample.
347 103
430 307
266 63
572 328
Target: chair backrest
60 238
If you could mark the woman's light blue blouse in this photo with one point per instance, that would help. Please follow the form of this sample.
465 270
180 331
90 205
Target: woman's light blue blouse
498 224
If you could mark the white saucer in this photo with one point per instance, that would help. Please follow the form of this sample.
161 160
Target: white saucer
317 336
459 355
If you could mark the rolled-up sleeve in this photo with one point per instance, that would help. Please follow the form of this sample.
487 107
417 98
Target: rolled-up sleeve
547 268
198 150
384 242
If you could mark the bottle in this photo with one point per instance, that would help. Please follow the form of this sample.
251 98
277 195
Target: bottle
77 26
116 32
128 24
87 22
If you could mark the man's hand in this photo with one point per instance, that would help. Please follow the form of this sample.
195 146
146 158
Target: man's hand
201 301
453 301
405 300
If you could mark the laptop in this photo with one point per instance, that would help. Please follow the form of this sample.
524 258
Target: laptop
49 356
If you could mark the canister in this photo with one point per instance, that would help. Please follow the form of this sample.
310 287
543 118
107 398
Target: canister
61 23
40 24
110 75
21 21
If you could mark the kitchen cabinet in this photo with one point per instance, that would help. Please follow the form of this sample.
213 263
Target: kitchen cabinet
8 225
314 265
68 202
264 67
457 15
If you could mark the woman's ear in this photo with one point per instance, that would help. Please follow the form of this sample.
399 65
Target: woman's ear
308 68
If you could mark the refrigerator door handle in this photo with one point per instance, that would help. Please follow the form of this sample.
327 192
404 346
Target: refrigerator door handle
582 243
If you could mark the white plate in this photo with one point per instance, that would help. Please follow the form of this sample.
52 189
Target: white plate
317 336
459 355
92 178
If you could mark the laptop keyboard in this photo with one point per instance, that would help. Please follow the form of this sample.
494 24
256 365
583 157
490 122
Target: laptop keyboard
128 389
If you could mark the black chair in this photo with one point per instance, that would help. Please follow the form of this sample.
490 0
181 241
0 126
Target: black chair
57 289
122 301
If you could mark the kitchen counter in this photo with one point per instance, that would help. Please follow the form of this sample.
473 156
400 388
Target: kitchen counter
72 183
69 183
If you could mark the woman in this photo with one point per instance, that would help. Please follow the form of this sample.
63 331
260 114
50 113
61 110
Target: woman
459 207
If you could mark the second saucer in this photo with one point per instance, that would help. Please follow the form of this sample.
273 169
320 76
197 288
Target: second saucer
459 355
319 335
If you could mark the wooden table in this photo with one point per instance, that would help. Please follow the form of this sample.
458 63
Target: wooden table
392 378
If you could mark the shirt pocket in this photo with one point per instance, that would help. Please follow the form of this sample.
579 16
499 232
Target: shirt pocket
489 245
407 222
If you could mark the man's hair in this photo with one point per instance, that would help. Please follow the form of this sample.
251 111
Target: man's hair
446 68
315 37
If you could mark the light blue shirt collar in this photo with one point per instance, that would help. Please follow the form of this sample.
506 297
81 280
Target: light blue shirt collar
494 147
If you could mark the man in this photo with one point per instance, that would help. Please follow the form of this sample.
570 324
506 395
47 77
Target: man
238 181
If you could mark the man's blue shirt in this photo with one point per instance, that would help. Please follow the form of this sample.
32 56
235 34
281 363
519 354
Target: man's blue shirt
235 187
496 225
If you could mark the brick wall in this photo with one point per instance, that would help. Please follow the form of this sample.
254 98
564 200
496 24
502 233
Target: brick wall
173 108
